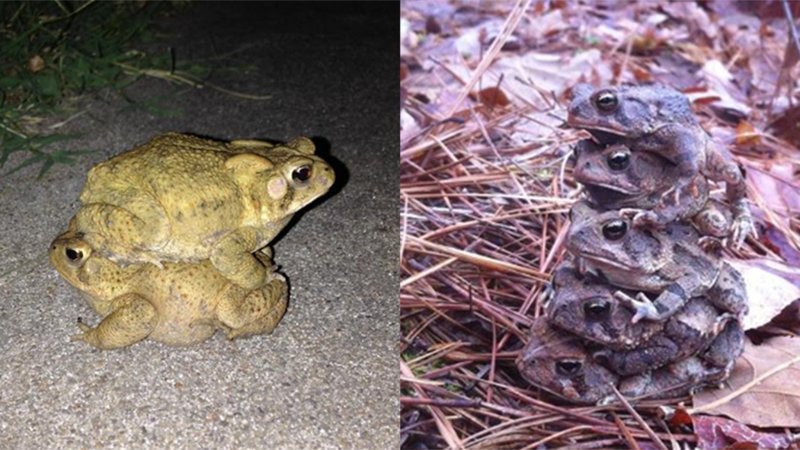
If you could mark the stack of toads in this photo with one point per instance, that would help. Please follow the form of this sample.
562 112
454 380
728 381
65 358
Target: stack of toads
170 242
647 304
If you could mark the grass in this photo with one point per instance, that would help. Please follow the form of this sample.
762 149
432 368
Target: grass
54 51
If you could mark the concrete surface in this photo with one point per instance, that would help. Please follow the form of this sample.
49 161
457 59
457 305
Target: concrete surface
327 377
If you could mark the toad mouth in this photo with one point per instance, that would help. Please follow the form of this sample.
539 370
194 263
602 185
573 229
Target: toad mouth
607 195
606 262
577 122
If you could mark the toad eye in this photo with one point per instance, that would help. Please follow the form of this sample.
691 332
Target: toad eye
301 174
606 101
568 368
73 255
615 230
596 309
618 160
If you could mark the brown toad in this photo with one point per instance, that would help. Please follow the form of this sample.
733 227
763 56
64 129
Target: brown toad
179 304
586 306
633 182
668 263
564 365
182 198
659 119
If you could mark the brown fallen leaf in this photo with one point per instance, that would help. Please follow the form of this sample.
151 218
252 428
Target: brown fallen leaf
492 97
717 433
786 126
764 388
746 134
777 186
776 240
36 63
770 285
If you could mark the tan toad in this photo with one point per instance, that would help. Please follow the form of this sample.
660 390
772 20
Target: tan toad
179 304
183 198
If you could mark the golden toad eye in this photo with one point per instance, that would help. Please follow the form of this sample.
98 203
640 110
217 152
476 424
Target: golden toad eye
615 230
606 101
618 160
301 174
568 368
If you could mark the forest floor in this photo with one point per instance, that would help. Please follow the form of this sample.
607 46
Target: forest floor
486 184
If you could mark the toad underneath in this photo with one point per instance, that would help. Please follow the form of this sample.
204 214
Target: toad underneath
179 304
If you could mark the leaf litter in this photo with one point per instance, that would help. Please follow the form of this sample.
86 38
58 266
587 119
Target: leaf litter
486 184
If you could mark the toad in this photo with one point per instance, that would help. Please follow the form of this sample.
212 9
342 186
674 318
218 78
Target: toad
180 198
562 364
658 119
633 182
668 263
586 306
179 304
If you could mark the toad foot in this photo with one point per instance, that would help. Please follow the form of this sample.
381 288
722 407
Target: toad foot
644 307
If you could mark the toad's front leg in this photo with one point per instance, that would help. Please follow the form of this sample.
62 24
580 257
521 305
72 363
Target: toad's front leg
132 320
660 309
232 256
643 306
642 218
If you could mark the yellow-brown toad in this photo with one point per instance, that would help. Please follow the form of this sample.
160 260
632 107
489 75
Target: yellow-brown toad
179 304
180 198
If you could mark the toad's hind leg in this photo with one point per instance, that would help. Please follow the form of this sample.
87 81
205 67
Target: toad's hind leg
722 167
258 312
132 320
729 293
124 232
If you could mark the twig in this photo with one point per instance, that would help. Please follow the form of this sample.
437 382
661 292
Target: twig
508 27
792 28
638 418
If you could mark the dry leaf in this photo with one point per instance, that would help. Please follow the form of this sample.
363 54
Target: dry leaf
36 63
777 241
720 82
492 97
746 134
779 189
717 433
787 125
547 73
769 289
764 388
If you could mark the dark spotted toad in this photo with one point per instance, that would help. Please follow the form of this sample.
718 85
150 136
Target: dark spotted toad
586 306
564 365
634 182
658 119
668 263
